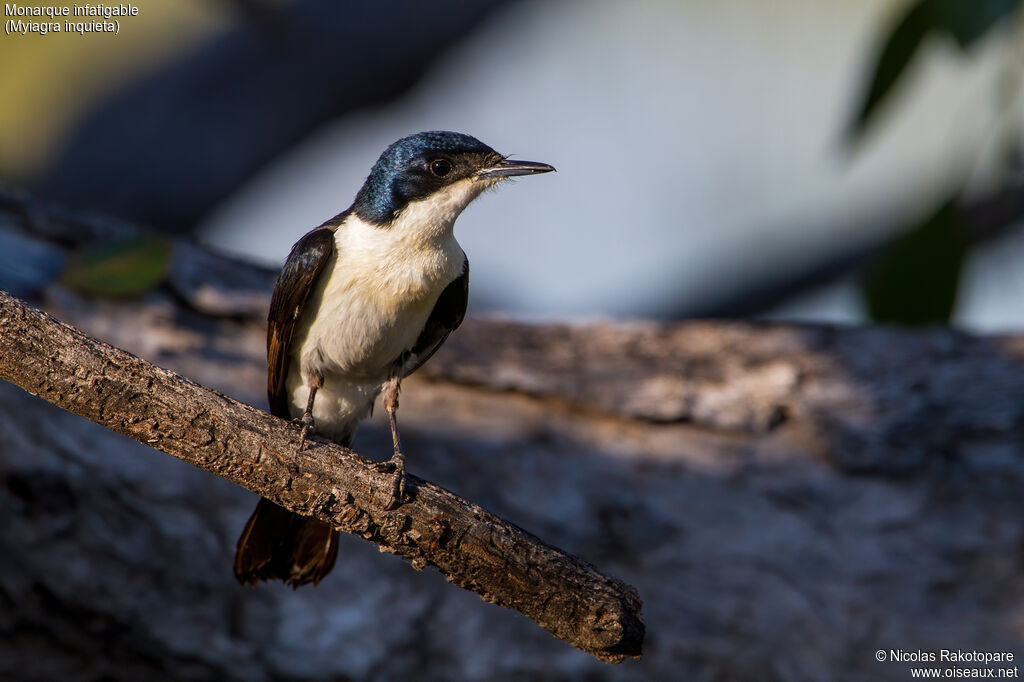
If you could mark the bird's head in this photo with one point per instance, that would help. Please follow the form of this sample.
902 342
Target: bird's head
437 172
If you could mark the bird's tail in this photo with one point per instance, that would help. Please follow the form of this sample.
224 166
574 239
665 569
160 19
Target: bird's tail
279 544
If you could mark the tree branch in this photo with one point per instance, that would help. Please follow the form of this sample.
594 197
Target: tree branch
758 482
471 547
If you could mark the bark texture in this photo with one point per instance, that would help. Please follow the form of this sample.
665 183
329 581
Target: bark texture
788 499
471 547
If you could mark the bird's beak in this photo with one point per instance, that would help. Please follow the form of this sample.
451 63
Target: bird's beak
507 169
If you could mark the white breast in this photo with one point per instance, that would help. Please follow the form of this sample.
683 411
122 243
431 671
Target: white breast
377 294
371 303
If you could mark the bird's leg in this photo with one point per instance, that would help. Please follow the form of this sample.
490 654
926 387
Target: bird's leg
391 389
315 381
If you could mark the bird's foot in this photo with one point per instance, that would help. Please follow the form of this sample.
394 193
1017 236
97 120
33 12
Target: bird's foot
308 429
397 482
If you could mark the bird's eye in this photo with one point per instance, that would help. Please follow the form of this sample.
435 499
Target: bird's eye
440 167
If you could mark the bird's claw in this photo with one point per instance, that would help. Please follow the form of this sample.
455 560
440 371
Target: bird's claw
397 496
306 421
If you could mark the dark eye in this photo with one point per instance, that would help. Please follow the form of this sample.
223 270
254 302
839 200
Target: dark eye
440 167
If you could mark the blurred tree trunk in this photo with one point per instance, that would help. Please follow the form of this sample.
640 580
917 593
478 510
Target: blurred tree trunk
786 499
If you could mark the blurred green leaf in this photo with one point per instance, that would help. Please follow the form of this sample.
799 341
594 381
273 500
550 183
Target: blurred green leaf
915 281
963 20
892 60
967 20
119 268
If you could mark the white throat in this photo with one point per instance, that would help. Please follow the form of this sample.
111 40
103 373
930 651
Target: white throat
434 217
413 258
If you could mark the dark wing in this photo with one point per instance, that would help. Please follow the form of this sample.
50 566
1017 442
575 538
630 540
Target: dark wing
445 318
300 272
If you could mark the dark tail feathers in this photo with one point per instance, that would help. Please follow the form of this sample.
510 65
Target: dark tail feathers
279 544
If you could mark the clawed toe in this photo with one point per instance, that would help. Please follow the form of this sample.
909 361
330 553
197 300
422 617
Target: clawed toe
307 429
385 467
397 496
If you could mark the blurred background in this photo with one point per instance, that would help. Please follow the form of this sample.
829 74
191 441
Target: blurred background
823 160
787 500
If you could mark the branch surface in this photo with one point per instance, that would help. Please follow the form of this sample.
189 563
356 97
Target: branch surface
471 547
759 483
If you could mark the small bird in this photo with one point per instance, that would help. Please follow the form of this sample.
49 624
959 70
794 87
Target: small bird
362 302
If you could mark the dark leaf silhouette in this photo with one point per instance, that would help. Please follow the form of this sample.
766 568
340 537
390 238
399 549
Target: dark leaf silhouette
892 61
915 281
964 22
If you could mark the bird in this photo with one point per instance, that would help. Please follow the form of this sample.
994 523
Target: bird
362 301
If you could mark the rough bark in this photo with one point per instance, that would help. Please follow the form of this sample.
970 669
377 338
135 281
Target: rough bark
471 547
788 499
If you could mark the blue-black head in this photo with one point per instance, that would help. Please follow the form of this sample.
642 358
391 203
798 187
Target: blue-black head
417 166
